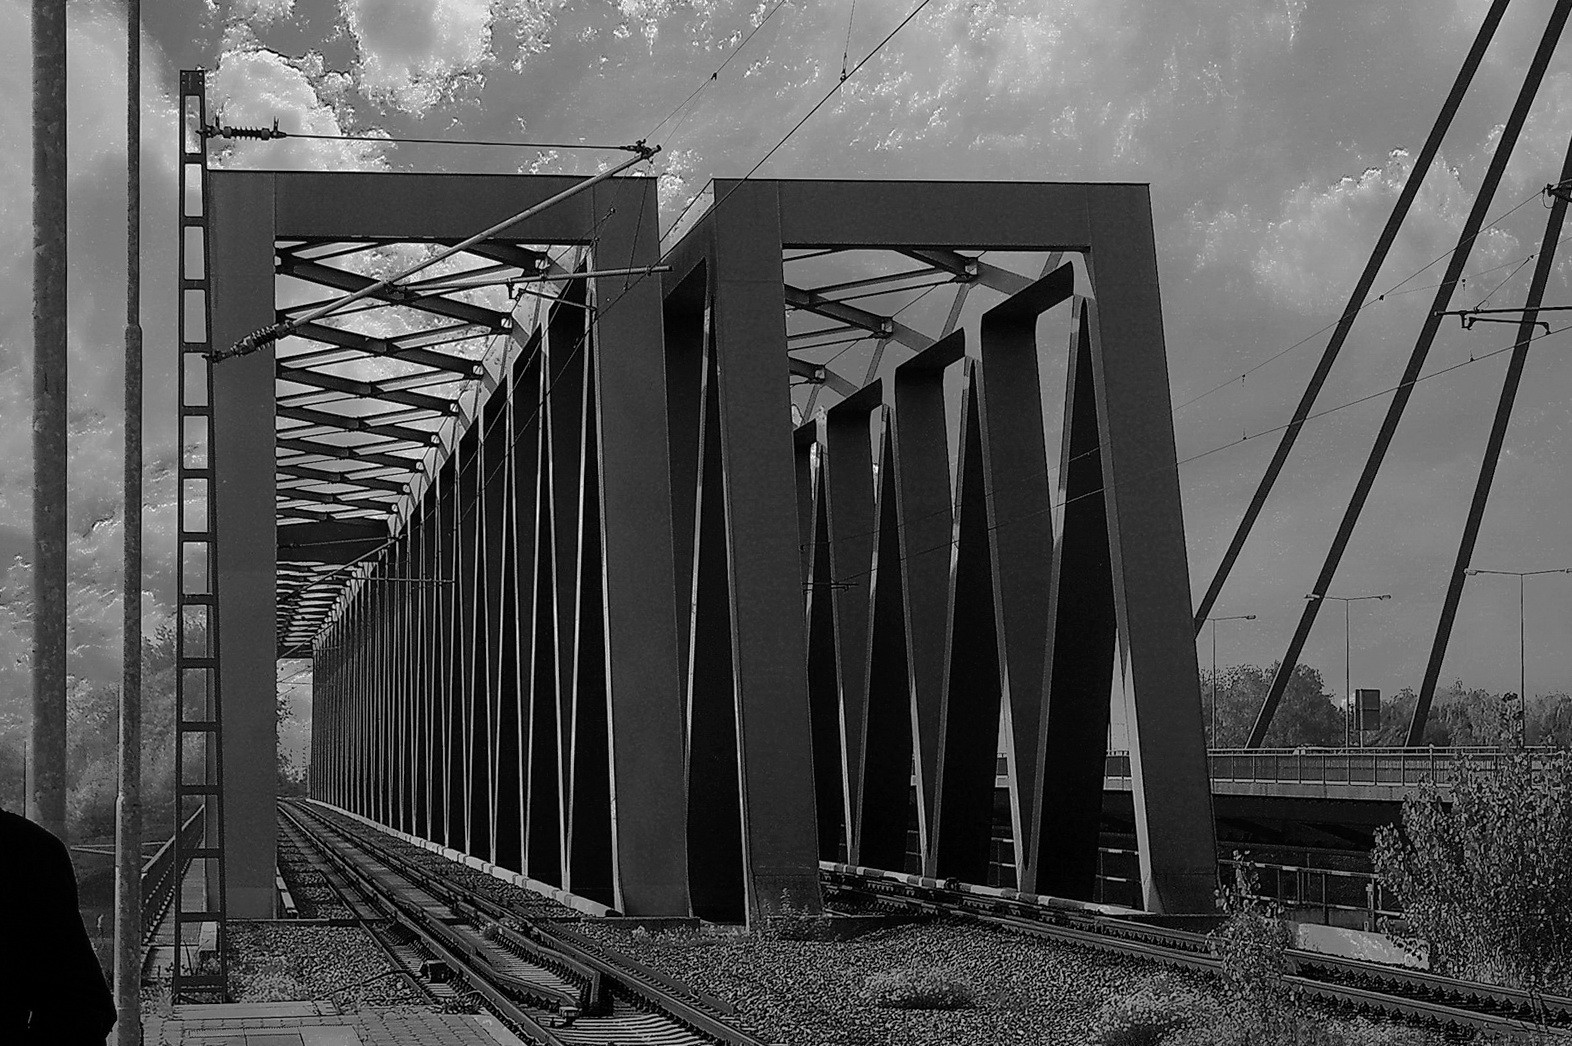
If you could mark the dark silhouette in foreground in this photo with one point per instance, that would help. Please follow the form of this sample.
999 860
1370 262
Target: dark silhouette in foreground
51 988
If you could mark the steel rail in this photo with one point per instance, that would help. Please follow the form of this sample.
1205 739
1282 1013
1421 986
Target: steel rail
1414 994
548 942
443 944
379 935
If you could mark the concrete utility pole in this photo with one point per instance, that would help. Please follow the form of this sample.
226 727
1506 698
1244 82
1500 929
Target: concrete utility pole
128 806
47 785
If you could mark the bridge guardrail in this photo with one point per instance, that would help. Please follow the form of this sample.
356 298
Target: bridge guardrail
1350 766
160 879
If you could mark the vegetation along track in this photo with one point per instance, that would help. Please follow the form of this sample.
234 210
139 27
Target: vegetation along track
551 985
1348 983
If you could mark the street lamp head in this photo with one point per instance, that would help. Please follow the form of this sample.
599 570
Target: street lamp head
1314 595
1251 617
1387 595
1470 572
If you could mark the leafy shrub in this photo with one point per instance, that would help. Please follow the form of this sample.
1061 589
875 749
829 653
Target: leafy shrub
1252 946
921 988
1486 883
1152 1012
793 921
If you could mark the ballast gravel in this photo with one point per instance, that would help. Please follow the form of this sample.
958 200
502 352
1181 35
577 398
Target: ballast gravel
274 962
816 993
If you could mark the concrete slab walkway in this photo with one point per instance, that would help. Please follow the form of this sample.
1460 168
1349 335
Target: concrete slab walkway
320 1024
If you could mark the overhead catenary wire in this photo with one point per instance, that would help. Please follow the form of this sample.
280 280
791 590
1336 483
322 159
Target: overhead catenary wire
579 343
1362 287
1219 448
1391 292
1554 224
267 335
851 343
217 130
1467 238
714 77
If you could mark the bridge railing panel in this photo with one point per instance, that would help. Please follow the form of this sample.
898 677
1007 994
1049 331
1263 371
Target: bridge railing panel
1391 767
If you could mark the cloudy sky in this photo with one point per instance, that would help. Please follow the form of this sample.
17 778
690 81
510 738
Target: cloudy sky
1275 134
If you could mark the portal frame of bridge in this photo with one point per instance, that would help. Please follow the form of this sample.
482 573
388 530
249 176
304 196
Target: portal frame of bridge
373 697
1122 569
678 770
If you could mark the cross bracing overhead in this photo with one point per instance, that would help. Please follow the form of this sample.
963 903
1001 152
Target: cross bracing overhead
374 396
371 398
854 313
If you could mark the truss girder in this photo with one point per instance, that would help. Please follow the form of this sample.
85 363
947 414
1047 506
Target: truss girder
390 347
562 651
854 317
498 671
936 613
352 477
436 304
366 390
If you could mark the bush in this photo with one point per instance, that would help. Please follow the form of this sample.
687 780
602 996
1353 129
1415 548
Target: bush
921 988
1151 1013
1486 883
1252 946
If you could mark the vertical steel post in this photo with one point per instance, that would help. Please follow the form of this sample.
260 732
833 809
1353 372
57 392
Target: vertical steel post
128 806
47 785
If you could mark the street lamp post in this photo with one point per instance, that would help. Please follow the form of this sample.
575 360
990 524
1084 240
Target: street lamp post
1347 673
1522 658
1214 621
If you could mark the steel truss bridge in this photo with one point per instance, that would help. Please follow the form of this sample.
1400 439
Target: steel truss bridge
598 594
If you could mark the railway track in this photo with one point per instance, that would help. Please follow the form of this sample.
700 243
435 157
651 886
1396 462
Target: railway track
552 985
1347 983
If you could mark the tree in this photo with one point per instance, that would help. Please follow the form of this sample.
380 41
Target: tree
1305 716
291 779
1465 716
1485 879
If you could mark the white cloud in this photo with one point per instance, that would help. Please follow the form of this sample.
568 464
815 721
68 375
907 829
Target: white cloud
265 12
1307 256
253 86
413 54
96 195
